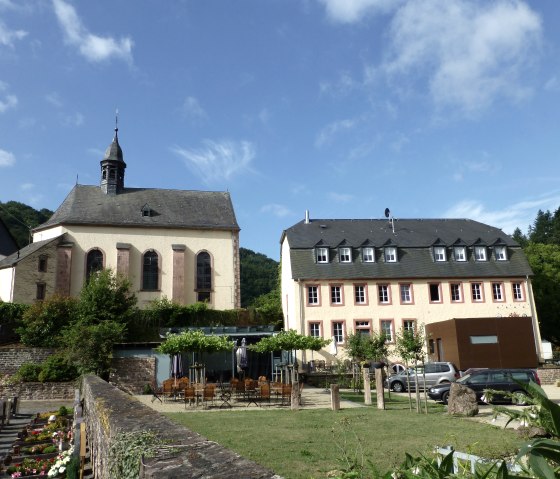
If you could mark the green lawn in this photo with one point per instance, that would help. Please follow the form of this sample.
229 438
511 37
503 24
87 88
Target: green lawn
309 443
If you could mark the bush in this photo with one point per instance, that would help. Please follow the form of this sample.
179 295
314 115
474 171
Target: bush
43 322
56 369
28 372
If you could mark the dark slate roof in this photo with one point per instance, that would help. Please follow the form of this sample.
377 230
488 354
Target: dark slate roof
88 205
414 239
25 252
7 243
114 151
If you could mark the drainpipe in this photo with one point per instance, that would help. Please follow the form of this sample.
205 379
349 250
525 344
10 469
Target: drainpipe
536 330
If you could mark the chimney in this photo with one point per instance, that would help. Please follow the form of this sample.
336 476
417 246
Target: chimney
306 217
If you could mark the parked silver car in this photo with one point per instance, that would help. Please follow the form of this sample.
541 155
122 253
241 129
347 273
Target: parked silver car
436 373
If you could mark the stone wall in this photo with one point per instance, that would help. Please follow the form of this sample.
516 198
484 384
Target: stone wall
36 391
14 355
549 375
108 411
133 373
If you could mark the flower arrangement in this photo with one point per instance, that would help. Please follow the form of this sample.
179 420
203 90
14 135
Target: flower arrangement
31 467
39 449
61 462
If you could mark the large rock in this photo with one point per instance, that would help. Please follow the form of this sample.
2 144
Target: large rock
462 401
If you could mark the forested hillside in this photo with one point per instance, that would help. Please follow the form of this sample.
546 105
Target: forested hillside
20 219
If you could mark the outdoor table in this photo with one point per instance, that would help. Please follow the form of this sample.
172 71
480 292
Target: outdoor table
252 395
225 397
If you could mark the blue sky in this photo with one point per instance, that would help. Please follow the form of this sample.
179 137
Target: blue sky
342 107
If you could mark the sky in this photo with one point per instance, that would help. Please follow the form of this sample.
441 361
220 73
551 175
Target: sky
433 109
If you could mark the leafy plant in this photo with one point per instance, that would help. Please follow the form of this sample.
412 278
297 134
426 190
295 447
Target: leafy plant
127 449
56 369
194 341
289 341
28 372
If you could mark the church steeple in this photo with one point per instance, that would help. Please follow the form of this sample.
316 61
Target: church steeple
113 166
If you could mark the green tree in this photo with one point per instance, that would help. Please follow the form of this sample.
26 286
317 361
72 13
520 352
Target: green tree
106 297
269 307
21 218
105 307
44 321
520 237
545 263
409 345
259 275
541 231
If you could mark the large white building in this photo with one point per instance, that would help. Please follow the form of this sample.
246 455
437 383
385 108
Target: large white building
361 276
178 244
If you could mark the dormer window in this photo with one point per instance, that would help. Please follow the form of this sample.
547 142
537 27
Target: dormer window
345 255
322 255
460 253
368 255
390 254
480 253
439 253
146 210
500 253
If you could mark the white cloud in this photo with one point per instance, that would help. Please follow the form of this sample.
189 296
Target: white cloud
348 11
75 119
93 47
7 36
326 134
9 101
280 211
6 158
518 215
54 99
218 160
344 84
468 53
552 84
341 197
192 109
27 186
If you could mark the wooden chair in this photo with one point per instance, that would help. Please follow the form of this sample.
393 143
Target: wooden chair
265 393
157 391
168 388
190 396
286 393
183 382
208 394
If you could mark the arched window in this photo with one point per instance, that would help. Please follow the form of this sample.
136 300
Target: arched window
94 262
203 276
150 271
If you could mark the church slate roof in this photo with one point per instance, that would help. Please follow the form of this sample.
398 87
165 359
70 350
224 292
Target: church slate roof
88 205
414 239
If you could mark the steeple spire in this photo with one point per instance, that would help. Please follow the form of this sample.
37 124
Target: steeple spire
113 165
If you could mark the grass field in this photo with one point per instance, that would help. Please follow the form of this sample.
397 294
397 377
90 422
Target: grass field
309 443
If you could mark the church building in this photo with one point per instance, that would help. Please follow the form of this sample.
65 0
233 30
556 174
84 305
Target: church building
182 245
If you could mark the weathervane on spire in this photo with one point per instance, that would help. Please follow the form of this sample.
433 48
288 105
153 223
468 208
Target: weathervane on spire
116 122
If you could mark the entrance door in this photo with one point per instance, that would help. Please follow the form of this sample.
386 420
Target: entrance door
440 355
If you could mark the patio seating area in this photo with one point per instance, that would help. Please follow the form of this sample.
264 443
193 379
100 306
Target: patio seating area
235 393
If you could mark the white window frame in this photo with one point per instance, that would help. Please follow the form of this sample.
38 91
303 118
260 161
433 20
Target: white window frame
368 254
315 330
477 295
322 255
383 294
518 291
498 292
440 253
391 336
456 288
460 253
390 253
338 331
500 253
362 325
336 294
409 325
345 255
405 290
480 253
360 295
315 295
